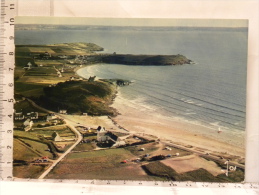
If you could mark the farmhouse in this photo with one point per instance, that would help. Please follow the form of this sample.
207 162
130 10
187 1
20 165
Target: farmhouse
27 124
56 137
63 111
28 66
18 116
108 136
51 116
33 115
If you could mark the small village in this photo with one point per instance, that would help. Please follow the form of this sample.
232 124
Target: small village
62 144
146 154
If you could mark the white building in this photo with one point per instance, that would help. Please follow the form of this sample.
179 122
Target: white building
27 124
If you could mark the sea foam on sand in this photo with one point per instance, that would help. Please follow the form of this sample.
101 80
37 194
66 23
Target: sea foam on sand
135 118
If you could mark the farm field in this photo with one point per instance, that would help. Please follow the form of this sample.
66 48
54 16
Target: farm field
101 164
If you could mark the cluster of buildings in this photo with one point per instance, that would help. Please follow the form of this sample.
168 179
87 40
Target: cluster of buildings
104 136
29 117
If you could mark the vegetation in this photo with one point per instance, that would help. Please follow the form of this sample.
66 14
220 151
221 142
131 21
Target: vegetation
146 59
100 164
201 175
93 98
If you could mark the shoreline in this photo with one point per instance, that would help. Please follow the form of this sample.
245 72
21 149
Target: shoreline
171 130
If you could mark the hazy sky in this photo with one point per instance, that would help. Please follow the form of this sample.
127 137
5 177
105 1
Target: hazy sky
132 22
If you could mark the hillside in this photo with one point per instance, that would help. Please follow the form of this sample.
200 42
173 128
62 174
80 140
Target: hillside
156 60
93 98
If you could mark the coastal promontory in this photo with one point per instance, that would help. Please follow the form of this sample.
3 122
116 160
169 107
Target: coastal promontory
156 60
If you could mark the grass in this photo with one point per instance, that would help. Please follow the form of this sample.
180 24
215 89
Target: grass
23 61
80 96
150 147
200 175
25 107
40 148
21 152
236 176
84 147
28 171
62 130
115 154
23 134
21 87
101 164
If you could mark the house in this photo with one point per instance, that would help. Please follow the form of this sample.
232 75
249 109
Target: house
108 136
63 111
51 116
28 66
18 116
27 124
33 115
46 55
56 137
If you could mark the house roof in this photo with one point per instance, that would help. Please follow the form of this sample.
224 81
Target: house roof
112 136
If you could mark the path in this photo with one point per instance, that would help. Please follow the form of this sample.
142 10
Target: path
79 138
71 126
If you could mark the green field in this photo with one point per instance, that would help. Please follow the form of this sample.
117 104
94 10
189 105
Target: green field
40 148
84 147
28 171
201 175
22 152
101 164
62 130
25 107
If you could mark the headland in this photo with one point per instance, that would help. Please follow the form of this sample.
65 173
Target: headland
68 106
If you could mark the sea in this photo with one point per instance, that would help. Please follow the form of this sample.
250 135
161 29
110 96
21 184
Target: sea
210 92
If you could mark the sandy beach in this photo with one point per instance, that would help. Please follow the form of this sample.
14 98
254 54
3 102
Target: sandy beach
142 119
138 120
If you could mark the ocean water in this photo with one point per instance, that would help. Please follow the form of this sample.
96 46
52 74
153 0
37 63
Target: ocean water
211 92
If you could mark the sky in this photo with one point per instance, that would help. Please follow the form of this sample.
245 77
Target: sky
132 21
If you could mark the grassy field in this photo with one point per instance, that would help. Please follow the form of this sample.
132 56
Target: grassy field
21 152
62 130
25 151
38 147
200 175
155 148
25 107
165 172
28 171
102 164
29 135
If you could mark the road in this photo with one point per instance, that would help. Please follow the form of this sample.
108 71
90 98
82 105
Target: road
72 125
204 155
79 138
69 124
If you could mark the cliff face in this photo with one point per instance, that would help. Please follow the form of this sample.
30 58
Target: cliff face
157 60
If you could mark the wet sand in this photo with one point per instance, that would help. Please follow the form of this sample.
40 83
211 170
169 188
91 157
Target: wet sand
138 120
135 118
